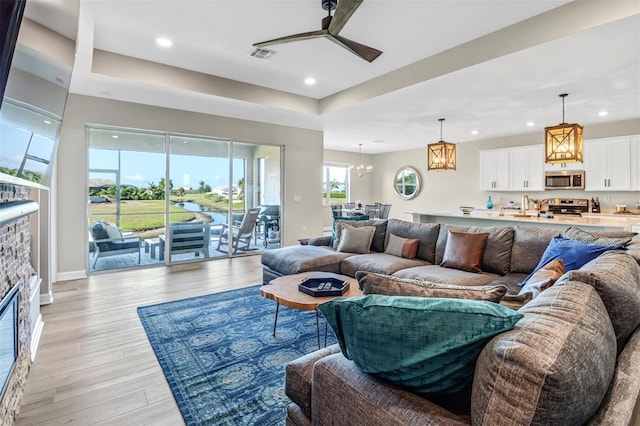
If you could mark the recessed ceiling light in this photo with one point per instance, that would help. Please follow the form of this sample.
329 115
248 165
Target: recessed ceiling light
474 132
530 124
114 136
603 113
164 42
47 122
309 81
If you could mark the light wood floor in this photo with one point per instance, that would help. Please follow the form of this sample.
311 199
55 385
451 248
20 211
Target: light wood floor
94 364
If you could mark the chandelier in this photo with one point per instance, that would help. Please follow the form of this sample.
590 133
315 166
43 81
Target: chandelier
563 143
441 155
361 169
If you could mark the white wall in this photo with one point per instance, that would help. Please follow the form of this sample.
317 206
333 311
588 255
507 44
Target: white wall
302 157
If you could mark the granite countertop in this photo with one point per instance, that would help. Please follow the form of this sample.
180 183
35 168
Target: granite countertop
592 219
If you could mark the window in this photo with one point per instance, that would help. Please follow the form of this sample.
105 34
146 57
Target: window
335 183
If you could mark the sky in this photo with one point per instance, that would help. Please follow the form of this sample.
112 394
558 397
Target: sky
141 168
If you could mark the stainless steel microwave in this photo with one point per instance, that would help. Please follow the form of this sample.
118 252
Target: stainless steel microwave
566 179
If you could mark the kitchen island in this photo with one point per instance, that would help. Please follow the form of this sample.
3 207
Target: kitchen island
510 218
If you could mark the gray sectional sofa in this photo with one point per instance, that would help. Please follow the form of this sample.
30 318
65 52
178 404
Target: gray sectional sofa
574 358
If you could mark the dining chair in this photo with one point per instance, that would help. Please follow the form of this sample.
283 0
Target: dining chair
371 210
336 210
384 210
351 205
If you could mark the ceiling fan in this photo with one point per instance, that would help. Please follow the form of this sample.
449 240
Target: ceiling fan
331 27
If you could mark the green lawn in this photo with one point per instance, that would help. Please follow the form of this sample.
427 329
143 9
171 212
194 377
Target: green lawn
139 215
147 215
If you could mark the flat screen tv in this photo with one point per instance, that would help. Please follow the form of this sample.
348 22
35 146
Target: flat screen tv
11 12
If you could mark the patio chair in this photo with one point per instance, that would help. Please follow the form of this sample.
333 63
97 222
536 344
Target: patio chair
242 231
105 239
189 237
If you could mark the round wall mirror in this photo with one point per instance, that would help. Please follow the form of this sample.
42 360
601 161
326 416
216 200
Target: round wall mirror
407 182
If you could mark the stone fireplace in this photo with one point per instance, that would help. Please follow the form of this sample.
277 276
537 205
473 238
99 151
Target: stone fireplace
16 269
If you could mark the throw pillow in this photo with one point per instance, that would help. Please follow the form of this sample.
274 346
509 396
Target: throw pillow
516 302
464 251
575 233
574 253
427 345
402 247
335 235
543 278
112 230
98 230
372 283
356 240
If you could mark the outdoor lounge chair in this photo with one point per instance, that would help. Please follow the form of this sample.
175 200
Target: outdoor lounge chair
242 231
189 237
105 239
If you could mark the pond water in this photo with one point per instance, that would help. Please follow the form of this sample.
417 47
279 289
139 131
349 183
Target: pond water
216 216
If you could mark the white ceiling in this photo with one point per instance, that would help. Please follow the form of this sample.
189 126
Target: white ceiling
441 59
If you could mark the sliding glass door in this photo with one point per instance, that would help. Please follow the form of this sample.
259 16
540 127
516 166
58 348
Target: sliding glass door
179 198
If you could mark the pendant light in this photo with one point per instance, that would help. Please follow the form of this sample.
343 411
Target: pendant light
563 143
441 155
361 169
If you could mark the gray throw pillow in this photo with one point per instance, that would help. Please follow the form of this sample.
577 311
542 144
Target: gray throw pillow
575 233
356 240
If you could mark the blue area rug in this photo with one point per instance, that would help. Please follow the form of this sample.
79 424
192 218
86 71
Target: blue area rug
220 359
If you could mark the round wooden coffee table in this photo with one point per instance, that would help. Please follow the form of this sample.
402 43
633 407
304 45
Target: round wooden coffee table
284 290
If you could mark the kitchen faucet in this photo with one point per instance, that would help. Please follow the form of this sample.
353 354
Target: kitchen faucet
525 203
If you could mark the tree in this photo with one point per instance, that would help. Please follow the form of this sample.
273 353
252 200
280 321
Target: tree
241 188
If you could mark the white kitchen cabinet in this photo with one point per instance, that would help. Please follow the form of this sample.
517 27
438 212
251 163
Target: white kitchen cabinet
526 168
494 170
634 142
607 164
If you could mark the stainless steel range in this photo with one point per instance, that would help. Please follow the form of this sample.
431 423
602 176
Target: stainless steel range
570 206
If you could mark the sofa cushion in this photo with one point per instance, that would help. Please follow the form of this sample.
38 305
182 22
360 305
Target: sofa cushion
464 251
427 233
356 240
296 259
616 278
528 246
497 252
378 242
381 263
511 280
543 278
604 239
428 345
553 368
402 247
438 274
298 376
371 283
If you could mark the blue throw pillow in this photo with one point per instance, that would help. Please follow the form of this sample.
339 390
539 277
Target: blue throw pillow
427 345
344 219
573 253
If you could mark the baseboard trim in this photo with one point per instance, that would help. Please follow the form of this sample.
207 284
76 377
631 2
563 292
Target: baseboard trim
71 275
46 299
35 338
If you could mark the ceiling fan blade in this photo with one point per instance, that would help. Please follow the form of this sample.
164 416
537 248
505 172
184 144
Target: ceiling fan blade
295 37
367 53
343 13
